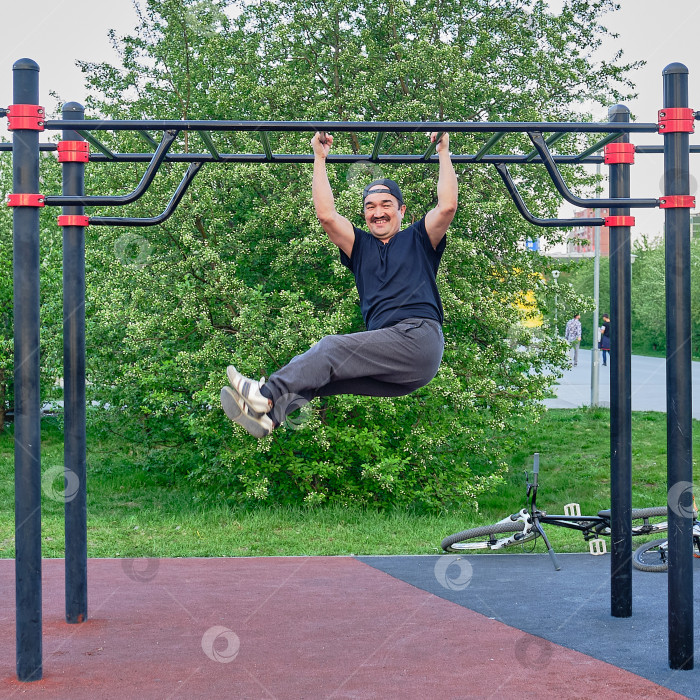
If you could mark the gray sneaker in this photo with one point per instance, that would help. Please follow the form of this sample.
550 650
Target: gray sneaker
248 390
237 410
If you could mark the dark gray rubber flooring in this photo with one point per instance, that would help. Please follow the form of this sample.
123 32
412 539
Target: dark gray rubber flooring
570 607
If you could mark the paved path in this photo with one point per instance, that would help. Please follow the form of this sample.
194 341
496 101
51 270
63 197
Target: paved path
648 385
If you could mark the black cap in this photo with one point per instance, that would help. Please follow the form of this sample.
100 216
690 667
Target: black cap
375 186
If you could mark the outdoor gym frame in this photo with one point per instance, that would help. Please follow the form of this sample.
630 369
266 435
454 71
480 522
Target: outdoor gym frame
27 119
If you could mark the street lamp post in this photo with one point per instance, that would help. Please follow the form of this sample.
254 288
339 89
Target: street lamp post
555 275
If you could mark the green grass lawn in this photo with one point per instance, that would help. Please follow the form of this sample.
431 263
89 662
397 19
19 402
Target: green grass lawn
137 513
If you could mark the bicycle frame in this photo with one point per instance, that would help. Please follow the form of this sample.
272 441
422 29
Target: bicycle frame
528 524
590 526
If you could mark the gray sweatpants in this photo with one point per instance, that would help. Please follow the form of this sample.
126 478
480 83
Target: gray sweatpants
390 361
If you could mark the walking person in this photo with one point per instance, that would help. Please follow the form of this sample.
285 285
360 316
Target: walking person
395 270
572 333
605 338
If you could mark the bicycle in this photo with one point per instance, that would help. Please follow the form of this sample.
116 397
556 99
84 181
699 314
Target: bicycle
653 556
526 525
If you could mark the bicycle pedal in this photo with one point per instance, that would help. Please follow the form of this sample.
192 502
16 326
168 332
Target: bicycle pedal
572 509
597 547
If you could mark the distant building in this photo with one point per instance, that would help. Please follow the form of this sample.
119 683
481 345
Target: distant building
581 240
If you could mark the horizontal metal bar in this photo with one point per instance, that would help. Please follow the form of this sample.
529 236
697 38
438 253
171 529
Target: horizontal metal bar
94 142
433 145
599 145
660 149
209 143
147 138
266 146
7 146
558 182
156 159
332 158
495 138
389 127
153 220
525 213
377 145
550 142
246 157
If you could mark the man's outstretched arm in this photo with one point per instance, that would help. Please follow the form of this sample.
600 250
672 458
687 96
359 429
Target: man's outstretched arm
338 228
437 220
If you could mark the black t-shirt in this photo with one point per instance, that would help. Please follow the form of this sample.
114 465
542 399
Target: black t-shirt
396 280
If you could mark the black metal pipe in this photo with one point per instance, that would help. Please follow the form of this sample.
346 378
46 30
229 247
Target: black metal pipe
596 147
558 181
360 127
118 200
42 147
96 142
25 265
660 149
550 141
74 386
377 145
146 157
153 220
525 212
389 159
678 382
620 389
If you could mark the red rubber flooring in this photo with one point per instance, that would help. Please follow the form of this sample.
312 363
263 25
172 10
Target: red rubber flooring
287 628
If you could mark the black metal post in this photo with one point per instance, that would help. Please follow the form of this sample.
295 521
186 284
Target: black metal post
74 385
25 264
620 389
678 382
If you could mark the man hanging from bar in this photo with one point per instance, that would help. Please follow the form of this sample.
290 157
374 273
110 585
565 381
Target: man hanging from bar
395 270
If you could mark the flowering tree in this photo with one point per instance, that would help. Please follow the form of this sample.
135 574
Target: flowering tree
243 273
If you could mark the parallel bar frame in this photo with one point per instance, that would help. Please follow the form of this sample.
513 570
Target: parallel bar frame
26 149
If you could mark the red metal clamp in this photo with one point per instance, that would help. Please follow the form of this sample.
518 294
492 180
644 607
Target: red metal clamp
677 201
619 221
73 220
25 200
26 117
676 119
73 151
618 153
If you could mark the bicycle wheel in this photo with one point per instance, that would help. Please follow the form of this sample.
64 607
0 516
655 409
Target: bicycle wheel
481 537
651 556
